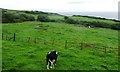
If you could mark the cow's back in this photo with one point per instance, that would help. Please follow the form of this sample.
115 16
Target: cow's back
53 55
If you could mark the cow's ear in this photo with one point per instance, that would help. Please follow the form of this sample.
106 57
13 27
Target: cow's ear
48 52
56 52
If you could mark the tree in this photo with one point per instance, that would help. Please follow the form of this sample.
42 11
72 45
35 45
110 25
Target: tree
65 17
10 17
43 18
7 17
70 21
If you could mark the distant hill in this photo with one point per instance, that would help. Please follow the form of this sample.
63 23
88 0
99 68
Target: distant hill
12 16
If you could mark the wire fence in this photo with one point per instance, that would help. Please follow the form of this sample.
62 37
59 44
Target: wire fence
52 42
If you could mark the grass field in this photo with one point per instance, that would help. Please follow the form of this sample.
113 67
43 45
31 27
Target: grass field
85 49
94 20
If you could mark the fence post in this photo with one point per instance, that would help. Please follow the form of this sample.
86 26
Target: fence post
2 36
6 37
81 46
35 41
105 50
28 39
52 42
44 42
66 44
14 37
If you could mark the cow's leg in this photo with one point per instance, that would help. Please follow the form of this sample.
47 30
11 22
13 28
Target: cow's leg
55 61
48 65
51 64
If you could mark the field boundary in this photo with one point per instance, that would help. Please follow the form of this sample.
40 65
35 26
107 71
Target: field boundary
67 44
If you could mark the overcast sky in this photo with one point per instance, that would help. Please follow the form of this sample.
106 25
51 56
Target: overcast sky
61 5
102 8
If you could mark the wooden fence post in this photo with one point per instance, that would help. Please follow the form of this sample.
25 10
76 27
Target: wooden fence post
2 36
35 41
81 46
44 42
14 37
6 37
53 42
28 39
66 44
105 50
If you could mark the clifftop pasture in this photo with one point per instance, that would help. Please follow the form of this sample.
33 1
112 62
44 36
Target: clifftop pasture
79 48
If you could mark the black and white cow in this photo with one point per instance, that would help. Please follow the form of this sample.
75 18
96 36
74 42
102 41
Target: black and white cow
51 59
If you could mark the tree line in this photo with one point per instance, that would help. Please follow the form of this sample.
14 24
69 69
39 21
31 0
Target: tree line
12 17
115 26
21 16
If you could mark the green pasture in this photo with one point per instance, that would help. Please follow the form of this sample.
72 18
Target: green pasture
79 48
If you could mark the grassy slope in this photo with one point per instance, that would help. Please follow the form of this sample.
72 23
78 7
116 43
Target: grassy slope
94 20
28 55
51 16
54 16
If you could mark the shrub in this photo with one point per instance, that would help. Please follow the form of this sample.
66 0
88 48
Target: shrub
43 18
70 21
26 17
9 17
65 17
115 27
